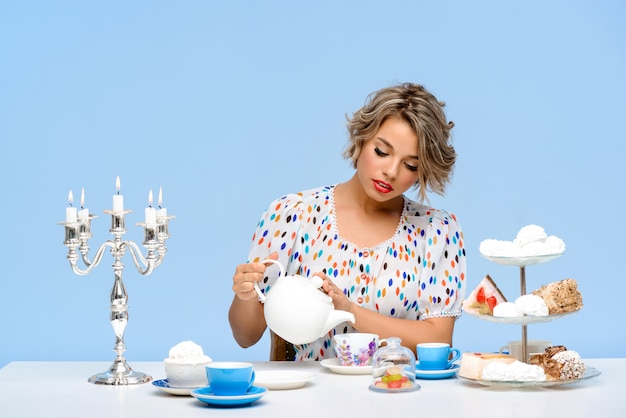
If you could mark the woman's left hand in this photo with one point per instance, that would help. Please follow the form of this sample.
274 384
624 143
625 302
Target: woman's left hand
340 300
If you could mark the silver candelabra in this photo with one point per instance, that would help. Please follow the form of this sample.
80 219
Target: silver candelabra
77 235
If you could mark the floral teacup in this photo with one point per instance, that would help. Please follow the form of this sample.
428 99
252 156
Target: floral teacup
355 349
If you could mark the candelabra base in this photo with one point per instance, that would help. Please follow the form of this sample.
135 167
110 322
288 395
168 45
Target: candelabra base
120 373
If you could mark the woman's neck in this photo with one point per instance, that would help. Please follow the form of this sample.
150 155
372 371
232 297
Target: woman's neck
350 194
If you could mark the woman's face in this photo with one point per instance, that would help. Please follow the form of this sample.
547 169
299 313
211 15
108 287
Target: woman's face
387 164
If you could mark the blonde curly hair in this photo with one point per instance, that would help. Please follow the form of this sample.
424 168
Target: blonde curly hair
421 109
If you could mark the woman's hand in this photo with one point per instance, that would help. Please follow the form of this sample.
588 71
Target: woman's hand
340 300
246 275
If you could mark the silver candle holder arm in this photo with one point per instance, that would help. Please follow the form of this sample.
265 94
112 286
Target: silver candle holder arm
77 236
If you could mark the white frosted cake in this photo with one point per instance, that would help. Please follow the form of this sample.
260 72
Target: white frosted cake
185 366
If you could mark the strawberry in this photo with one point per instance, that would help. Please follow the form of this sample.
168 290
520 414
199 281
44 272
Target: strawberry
492 302
480 296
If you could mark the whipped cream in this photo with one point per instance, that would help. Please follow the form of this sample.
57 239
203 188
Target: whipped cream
531 240
187 352
532 305
516 372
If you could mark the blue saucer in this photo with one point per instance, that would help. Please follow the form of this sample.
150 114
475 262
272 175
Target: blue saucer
206 395
164 385
436 374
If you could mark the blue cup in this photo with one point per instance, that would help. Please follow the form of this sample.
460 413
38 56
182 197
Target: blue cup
436 356
230 378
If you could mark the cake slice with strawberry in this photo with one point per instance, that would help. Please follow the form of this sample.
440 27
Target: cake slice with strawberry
483 298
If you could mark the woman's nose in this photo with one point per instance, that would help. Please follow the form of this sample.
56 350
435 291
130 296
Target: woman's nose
391 170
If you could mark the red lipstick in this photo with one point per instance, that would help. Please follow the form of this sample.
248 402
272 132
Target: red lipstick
382 186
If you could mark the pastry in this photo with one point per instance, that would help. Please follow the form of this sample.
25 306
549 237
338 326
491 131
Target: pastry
560 297
559 363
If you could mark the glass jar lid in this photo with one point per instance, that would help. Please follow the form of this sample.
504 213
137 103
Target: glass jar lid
393 368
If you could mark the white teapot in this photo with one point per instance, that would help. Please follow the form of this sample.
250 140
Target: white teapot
297 311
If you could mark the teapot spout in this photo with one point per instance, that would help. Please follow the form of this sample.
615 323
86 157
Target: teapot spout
335 318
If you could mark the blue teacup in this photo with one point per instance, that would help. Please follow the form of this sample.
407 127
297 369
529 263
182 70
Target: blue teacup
436 356
230 378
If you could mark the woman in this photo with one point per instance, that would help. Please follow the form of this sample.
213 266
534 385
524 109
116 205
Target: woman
396 264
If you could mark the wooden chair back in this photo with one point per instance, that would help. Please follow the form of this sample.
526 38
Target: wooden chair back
281 350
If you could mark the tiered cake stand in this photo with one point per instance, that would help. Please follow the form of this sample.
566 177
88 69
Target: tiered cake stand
522 263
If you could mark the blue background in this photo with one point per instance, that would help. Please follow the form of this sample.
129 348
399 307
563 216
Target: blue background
228 105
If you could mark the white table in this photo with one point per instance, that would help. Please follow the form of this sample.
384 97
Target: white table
60 389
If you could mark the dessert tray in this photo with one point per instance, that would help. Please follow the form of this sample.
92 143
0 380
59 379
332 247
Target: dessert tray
589 373
172 390
335 366
282 379
206 395
521 262
523 320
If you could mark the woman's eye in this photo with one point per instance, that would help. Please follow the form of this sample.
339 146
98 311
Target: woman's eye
411 167
380 152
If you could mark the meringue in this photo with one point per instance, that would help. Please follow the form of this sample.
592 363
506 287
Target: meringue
532 305
507 310
531 241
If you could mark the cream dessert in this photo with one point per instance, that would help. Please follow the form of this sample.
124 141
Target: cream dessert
185 366
484 298
531 240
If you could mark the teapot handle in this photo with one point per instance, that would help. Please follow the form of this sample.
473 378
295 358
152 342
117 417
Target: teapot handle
256 284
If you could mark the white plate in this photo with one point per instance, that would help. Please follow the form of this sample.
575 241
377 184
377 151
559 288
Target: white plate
589 373
282 379
335 366
527 319
172 390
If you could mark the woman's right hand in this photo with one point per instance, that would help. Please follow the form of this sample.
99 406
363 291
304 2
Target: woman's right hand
246 275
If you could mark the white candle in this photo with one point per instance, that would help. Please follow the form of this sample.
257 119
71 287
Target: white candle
83 213
70 212
118 199
150 211
162 212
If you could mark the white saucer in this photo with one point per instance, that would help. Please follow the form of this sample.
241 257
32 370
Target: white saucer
436 374
335 366
172 390
206 395
282 379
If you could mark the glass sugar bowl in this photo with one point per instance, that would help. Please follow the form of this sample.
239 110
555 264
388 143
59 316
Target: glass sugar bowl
393 368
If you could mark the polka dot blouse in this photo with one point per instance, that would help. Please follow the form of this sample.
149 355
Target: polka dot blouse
418 273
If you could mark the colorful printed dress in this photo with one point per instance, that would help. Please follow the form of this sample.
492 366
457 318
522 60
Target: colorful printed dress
418 273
